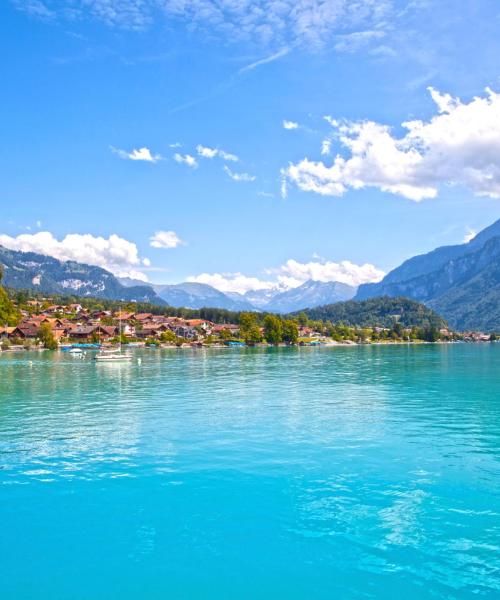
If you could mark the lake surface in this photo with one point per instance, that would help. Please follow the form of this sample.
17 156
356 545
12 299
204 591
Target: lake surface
329 473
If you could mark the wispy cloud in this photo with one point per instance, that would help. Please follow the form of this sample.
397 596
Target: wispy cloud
273 24
264 61
142 154
238 176
186 159
207 152
290 124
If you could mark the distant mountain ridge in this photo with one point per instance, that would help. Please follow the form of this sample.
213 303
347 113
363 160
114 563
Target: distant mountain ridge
199 295
29 270
309 295
461 282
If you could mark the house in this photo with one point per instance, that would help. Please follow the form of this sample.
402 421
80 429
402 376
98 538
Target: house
99 314
185 331
124 316
88 332
153 330
141 317
25 332
55 308
201 323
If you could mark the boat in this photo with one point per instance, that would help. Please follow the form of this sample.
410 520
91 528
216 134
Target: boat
112 355
75 351
108 355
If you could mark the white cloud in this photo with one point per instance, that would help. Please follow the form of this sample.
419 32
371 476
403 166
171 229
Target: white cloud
291 275
460 145
186 159
238 176
470 235
290 124
114 254
228 156
165 239
326 146
278 24
233 282
206 152
294 273
143 154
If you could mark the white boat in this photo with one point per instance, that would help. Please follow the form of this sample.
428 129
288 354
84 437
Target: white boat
75 351
107 355
112 356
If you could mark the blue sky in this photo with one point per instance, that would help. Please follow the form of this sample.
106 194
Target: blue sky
85 84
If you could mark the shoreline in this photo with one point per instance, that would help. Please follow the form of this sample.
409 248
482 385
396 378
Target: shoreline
126 348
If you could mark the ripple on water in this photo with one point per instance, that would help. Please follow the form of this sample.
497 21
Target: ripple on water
363 472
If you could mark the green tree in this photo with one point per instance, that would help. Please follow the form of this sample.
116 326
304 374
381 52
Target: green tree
46 336
249 329
168 337
8 312
302 319
273 330
290 331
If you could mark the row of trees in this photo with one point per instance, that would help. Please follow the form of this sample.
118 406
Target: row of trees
276 329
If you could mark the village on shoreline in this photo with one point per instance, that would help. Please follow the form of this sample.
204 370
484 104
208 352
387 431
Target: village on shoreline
45 325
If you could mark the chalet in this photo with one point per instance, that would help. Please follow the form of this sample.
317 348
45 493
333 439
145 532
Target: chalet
99 314
152 330
75 308
55 308
123 316
25 332
87 332
202 323
141 317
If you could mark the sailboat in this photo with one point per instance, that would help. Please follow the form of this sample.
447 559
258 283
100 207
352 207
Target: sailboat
112 354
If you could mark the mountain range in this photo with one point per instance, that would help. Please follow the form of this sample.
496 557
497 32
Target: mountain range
29 270
461 282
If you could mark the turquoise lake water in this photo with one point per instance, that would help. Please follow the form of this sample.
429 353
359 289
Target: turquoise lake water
329 473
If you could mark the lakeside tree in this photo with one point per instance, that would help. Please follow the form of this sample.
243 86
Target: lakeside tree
46 336
168 337
9 315
273 330
290 331
249 329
